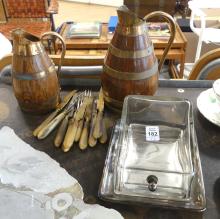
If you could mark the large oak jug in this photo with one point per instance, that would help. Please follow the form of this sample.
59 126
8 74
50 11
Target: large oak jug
130 65
34 77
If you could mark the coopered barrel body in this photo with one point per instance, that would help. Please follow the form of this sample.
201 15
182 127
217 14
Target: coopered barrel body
35 80
130 65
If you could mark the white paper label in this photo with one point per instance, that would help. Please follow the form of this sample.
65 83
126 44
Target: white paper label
152 133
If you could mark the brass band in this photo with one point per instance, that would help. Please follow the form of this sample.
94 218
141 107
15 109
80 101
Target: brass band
130 75
112 102
132 30
35 76
131 54
28 49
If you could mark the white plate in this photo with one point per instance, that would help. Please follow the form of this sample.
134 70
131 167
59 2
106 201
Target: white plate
209 107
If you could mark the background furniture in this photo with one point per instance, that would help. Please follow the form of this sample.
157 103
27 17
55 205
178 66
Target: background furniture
87 166
35 16
98 47
2 12
143 7
207 67
201 9
182 8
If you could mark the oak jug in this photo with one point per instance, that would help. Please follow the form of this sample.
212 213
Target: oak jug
34 77
130 65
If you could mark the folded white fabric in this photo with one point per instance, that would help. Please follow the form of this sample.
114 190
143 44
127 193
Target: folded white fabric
35 186
5 45
23 166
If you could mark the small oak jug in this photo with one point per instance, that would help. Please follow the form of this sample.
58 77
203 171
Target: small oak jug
34 77
130 65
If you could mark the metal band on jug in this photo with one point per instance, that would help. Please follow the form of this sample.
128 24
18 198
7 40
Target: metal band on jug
130 54
130 75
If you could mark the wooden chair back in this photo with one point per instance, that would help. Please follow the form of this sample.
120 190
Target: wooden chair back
207 67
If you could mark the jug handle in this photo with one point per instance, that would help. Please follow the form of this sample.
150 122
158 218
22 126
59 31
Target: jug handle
51 33
172 24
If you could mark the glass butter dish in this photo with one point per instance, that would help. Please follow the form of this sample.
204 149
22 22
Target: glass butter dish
153 155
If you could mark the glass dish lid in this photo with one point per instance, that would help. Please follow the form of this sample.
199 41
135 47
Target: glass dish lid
153 155
154 158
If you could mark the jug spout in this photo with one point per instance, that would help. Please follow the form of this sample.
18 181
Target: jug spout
127 17
25 43
23 37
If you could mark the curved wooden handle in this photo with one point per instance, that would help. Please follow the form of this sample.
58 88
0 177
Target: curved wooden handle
79 130
103 139
92 140
61 132
98 126
83 143
172 24
51 33
70 135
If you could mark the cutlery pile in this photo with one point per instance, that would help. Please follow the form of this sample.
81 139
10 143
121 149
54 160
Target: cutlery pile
79 118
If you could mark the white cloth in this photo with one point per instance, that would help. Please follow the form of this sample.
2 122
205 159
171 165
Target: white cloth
33 185
5 46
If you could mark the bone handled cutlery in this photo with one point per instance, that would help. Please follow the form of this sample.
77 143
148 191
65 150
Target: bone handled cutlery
103 139
74 124
92 141
87 101
59 108
83 143
62 129
48 128
97 133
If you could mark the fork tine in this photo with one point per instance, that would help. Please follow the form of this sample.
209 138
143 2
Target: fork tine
79 102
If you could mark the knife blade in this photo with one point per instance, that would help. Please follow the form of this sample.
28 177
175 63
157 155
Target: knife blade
60 107
48 128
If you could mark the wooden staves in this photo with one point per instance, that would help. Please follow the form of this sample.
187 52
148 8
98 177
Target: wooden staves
34 77
130 66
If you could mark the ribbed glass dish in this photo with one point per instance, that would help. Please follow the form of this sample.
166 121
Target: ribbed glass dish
153 156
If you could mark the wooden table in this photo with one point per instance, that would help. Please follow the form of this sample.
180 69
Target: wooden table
97 47
87 166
